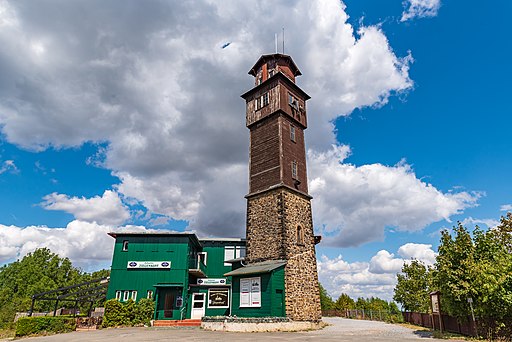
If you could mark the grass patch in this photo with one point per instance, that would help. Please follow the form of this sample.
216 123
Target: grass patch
413 327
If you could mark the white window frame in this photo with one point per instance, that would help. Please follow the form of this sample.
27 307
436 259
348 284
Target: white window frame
292 133
294 170
125 245
218 307
229 254
149 294
126 296
118 295
238 252
251 294
233 252
134 296
205 256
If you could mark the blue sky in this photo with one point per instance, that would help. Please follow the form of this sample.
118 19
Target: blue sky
126 117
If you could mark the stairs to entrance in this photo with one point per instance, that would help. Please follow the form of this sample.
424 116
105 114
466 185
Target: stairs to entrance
177 323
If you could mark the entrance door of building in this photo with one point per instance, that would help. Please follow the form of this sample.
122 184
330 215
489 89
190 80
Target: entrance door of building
198 305
167 307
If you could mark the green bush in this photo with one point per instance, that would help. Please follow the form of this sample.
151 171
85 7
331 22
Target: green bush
44 325
129 313
144 311
114 314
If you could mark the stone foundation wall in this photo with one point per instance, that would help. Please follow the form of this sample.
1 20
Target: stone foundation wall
301 277
273 219
265 227
261 327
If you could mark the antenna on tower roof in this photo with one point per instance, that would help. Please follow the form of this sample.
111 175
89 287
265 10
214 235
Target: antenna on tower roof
283 40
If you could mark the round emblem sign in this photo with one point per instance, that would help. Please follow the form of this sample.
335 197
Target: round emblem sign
133 264
165 264
222 281
199 281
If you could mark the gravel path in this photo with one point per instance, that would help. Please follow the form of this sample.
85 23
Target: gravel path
339 330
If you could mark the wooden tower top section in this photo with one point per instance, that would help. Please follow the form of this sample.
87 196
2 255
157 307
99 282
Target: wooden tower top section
275 90
276 62
276 117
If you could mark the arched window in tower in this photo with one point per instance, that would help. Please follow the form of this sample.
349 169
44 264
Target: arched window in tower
300 235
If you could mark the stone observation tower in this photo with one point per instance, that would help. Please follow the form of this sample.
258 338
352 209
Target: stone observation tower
279 219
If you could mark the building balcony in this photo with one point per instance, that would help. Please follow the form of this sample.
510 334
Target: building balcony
197 267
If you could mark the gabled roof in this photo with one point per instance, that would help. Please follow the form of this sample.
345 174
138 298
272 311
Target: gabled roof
265 58
257 267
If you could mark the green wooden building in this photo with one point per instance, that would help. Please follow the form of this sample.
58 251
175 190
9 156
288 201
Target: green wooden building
189 277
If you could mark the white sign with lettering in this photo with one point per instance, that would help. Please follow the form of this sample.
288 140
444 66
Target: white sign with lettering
149 264
211 281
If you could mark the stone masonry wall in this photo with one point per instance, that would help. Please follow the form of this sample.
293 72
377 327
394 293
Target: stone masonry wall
301 277
272 221
264 227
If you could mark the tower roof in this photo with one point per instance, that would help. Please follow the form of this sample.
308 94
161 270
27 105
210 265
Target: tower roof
278 57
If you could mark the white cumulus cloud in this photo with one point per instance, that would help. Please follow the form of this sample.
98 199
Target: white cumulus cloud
107 209
83 242
419 251
156 85
375 278
420 9
354 205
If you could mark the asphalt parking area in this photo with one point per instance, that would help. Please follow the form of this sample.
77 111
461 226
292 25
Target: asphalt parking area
340 329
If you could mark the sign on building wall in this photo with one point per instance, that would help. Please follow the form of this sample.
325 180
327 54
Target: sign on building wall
250 292
149 264
211 281
218 298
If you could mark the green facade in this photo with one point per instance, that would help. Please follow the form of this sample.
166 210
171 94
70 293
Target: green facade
176 287
272 296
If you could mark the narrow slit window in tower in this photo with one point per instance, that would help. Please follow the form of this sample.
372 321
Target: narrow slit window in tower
300 235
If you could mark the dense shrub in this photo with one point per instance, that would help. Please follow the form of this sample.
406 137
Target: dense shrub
129 313
44 325
114 314
144 311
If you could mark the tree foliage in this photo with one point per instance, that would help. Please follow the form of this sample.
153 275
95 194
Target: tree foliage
37 272
413 287
326 301
344 302
477 267
471 266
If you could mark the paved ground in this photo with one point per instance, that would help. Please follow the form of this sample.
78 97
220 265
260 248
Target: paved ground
339 330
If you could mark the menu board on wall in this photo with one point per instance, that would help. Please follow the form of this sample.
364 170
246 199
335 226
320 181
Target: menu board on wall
218 298
250 292
245 292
